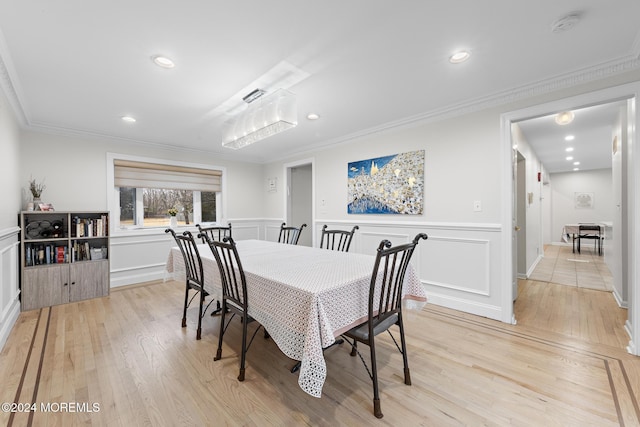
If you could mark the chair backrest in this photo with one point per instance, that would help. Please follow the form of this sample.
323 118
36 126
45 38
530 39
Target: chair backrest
215 232
290 235
337 240
192 261
385 291
232 278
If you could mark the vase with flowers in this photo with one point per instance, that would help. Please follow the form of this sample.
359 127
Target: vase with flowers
36 189
173 221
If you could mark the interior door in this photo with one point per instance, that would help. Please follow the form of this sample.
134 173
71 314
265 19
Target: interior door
514 223
300 201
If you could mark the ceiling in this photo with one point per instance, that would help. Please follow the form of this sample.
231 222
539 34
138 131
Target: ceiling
592 129
76 67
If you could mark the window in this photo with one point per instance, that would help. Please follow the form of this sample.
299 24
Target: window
145 192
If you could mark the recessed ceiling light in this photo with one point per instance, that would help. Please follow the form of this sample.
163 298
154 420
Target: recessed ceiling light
163 61
576 169
576 163
564 118
568 149
128 119
313 116
459 57
569 158
569 138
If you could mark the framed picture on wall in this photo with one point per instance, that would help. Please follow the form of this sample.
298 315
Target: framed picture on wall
391 184
583 200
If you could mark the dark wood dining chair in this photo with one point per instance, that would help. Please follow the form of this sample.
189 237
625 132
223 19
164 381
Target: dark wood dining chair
590 232
217 232
290 235
234 294
194 277
385 308
337 240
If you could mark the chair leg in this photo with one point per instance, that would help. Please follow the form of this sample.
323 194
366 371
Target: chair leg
354 350
217 310
403 344
222 316
199 332
374 377
243 351
184 312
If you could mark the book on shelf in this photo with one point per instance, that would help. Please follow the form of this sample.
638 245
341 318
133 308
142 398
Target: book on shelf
35 254
90 227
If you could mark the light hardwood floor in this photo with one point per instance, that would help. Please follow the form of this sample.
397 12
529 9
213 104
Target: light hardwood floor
584 270
570 293
128 354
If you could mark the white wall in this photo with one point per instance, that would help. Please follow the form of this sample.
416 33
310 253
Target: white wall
563 189
74 170
9 208
459 263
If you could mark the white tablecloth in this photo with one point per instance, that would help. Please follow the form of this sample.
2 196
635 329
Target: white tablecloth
304 297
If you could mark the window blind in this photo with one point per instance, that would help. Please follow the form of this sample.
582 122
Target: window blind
134 174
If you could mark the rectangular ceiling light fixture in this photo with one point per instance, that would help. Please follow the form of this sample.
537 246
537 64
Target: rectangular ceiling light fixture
265 115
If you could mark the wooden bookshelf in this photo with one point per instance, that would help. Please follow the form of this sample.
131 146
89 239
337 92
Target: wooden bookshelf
64 257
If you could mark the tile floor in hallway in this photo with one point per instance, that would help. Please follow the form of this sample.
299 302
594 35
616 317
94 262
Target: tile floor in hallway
584 270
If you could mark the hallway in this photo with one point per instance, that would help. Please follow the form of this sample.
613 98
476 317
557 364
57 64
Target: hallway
570 294
583 270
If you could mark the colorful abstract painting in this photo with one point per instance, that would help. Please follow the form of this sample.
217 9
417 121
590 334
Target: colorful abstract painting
387 185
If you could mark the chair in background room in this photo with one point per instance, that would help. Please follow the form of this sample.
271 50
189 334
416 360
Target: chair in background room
385 308
215 232
194 275
590 232
337 240
234 294
290 235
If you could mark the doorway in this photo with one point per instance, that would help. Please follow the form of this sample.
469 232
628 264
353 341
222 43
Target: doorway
629 252
299 199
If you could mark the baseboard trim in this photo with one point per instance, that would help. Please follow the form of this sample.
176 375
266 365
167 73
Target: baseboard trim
9 321
489 311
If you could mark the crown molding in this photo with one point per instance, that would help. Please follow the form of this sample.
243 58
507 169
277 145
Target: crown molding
563 81
6 83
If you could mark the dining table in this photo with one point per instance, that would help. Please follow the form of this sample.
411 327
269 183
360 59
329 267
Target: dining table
304 297
571 231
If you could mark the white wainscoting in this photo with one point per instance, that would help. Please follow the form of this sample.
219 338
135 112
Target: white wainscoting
9 283
140 256
458 265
